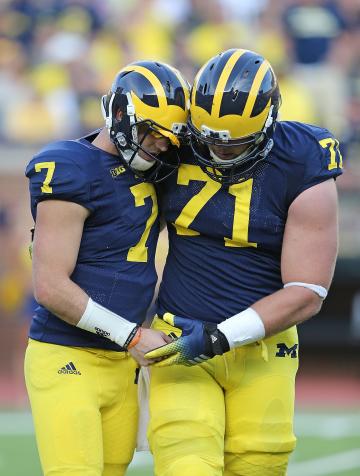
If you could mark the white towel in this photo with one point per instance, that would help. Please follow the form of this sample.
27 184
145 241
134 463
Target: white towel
142 443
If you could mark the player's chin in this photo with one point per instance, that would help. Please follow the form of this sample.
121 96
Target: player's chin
226 156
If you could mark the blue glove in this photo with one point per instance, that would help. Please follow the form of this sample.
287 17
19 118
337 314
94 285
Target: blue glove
199 341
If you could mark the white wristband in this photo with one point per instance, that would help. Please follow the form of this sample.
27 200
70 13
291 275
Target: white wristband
316 288
243 328
103 322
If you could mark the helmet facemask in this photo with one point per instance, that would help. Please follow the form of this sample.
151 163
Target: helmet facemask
239 168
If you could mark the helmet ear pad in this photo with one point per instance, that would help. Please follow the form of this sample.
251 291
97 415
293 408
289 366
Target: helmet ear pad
119 115
121 129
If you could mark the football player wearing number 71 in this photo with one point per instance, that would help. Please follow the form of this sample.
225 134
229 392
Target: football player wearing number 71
252 220
96 226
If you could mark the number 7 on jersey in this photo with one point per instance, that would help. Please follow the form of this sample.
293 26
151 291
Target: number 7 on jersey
50 166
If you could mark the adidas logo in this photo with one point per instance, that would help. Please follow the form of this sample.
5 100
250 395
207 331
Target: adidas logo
101 332
69 369
213 338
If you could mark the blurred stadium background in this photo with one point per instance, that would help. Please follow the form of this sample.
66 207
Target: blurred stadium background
57 57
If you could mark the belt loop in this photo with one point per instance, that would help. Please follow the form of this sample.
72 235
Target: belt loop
264 351
226 367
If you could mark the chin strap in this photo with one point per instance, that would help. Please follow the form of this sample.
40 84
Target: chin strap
137 162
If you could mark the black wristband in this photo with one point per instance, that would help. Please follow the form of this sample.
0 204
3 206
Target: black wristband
131 336
216 342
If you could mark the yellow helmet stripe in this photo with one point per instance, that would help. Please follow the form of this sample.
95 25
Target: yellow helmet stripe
218 94
253 93
154 80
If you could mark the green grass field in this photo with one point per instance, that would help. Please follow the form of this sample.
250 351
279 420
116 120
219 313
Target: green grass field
328 444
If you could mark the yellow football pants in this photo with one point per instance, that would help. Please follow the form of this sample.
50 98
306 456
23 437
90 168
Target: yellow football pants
232 415
84 406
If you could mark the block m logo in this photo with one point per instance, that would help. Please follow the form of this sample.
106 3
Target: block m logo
284 350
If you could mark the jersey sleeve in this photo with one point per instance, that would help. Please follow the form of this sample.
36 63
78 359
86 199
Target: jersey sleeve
57 177
323 159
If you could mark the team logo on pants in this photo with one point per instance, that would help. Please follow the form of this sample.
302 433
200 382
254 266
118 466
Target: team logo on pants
284 350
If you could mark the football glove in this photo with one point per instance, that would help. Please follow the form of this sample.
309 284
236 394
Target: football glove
199 341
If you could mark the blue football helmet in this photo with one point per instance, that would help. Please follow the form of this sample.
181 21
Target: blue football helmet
153 98
234 102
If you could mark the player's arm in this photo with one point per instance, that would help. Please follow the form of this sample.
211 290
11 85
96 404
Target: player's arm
308 256
58 232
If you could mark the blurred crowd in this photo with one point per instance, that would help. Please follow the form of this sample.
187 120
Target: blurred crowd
58 57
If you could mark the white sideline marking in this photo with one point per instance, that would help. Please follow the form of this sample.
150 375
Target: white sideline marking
326 465
325 425
16 423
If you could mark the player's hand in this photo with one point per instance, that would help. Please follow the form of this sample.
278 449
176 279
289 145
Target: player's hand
199 341
149 340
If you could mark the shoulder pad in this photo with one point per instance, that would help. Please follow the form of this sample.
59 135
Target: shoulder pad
59 171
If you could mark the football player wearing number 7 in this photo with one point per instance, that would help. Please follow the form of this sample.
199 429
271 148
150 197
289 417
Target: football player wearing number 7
252 220
96 226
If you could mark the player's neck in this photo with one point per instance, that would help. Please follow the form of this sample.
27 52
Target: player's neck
103 142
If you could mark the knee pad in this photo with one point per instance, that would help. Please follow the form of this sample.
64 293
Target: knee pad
73 471
188 466
256 464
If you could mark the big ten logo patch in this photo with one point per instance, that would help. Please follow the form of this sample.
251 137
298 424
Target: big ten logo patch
115 172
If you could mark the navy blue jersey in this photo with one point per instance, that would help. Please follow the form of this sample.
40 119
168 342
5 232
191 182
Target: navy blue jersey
225 241
115 265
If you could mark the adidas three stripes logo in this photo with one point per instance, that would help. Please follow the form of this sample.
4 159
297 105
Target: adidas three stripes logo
69 369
